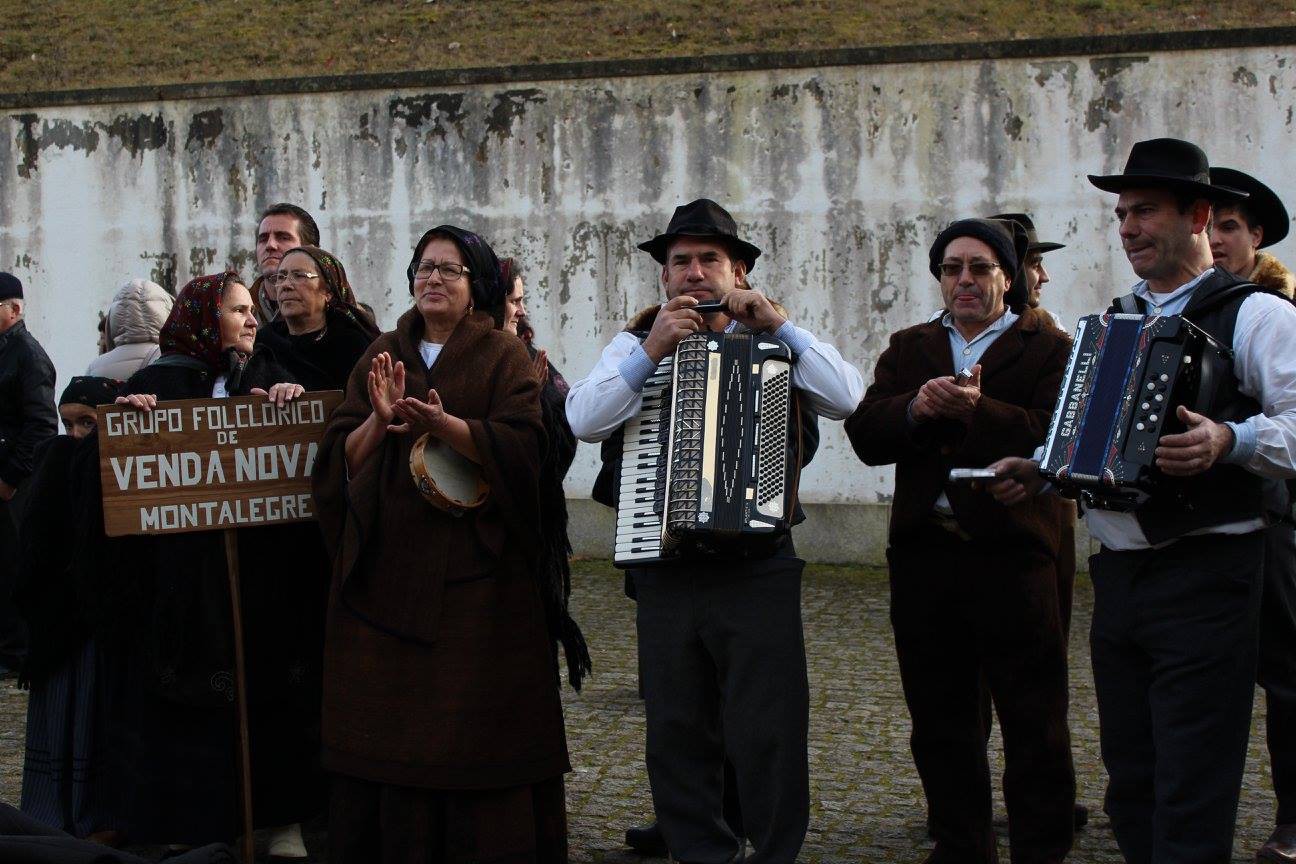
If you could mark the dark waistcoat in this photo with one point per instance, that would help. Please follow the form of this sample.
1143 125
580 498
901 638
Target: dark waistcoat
1225 493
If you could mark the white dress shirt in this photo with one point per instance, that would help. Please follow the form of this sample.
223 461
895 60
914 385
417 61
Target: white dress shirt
1264 363
610 394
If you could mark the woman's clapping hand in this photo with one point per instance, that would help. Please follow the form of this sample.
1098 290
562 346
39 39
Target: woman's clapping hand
420 416
386 387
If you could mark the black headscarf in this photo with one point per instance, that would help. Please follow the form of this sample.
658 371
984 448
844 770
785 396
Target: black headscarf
483 266
90 390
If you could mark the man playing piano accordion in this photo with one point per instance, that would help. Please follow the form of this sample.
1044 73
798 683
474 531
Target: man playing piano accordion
722 656
973 584
1177 580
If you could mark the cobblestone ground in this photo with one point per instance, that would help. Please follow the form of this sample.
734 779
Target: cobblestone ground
866 800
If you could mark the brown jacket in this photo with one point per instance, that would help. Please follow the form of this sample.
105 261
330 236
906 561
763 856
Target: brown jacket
1021 373
437 664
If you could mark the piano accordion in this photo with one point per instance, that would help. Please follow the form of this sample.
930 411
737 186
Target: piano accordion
705 467
1126 378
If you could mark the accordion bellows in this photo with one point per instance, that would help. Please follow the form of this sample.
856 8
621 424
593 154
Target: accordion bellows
1126 378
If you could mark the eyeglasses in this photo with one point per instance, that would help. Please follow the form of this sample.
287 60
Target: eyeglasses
449 271
294 276
978 269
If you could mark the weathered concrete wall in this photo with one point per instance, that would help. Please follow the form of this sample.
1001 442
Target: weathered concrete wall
842 175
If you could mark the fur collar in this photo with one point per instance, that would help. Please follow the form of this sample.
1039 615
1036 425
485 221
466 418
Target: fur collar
643 321
1269 272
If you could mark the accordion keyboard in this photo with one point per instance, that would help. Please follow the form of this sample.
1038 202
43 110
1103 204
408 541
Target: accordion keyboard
639 521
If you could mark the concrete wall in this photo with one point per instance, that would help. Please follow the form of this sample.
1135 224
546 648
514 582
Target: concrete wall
842 174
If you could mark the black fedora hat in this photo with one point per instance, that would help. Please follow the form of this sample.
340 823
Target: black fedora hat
1262 203
1034 243
1167 163
702 218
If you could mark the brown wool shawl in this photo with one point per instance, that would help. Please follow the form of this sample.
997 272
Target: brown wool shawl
393 553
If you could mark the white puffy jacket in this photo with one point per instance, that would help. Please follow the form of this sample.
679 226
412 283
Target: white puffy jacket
135 318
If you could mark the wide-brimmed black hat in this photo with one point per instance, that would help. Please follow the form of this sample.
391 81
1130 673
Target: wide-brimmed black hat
1167 163
702 218
1033 244
1262 203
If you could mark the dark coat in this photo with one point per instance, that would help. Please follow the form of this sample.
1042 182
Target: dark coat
322 363
439 672
171 591
27 414
45 590
1020 377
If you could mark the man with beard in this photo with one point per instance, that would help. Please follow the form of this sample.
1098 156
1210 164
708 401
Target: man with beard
974 602
1177 581
1237 233
281 227
721 650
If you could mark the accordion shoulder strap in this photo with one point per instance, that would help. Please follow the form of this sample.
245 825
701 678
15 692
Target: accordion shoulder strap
1129 304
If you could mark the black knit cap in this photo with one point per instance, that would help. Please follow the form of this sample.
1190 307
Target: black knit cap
480 259
90 390
10 287
1007 240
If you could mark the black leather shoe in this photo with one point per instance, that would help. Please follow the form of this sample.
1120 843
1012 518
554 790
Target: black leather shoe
647 840
1080 817
1280 847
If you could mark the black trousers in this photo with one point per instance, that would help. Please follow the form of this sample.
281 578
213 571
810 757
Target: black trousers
722 659
1277 669
967 616
1174 643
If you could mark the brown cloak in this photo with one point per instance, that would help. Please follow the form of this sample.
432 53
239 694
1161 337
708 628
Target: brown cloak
438 671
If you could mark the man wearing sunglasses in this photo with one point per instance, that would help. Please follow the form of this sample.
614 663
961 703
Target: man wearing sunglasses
973 583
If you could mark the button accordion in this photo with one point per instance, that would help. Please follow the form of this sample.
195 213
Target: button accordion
1127 376
705 467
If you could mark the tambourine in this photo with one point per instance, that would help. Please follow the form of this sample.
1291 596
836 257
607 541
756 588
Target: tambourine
446 478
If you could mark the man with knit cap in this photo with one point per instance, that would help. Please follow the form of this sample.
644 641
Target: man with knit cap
1177 579
973 582
27 418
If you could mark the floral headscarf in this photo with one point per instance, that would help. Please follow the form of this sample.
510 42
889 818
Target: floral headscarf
342 297
193 327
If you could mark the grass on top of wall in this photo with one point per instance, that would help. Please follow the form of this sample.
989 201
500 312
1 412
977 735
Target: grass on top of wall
60 44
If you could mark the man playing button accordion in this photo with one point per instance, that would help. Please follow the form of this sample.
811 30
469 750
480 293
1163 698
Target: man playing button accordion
1177 579
722 655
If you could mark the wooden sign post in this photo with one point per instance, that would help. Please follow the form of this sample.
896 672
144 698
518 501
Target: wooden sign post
213 464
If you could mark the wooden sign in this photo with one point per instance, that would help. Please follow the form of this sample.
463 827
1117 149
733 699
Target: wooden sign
206 464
